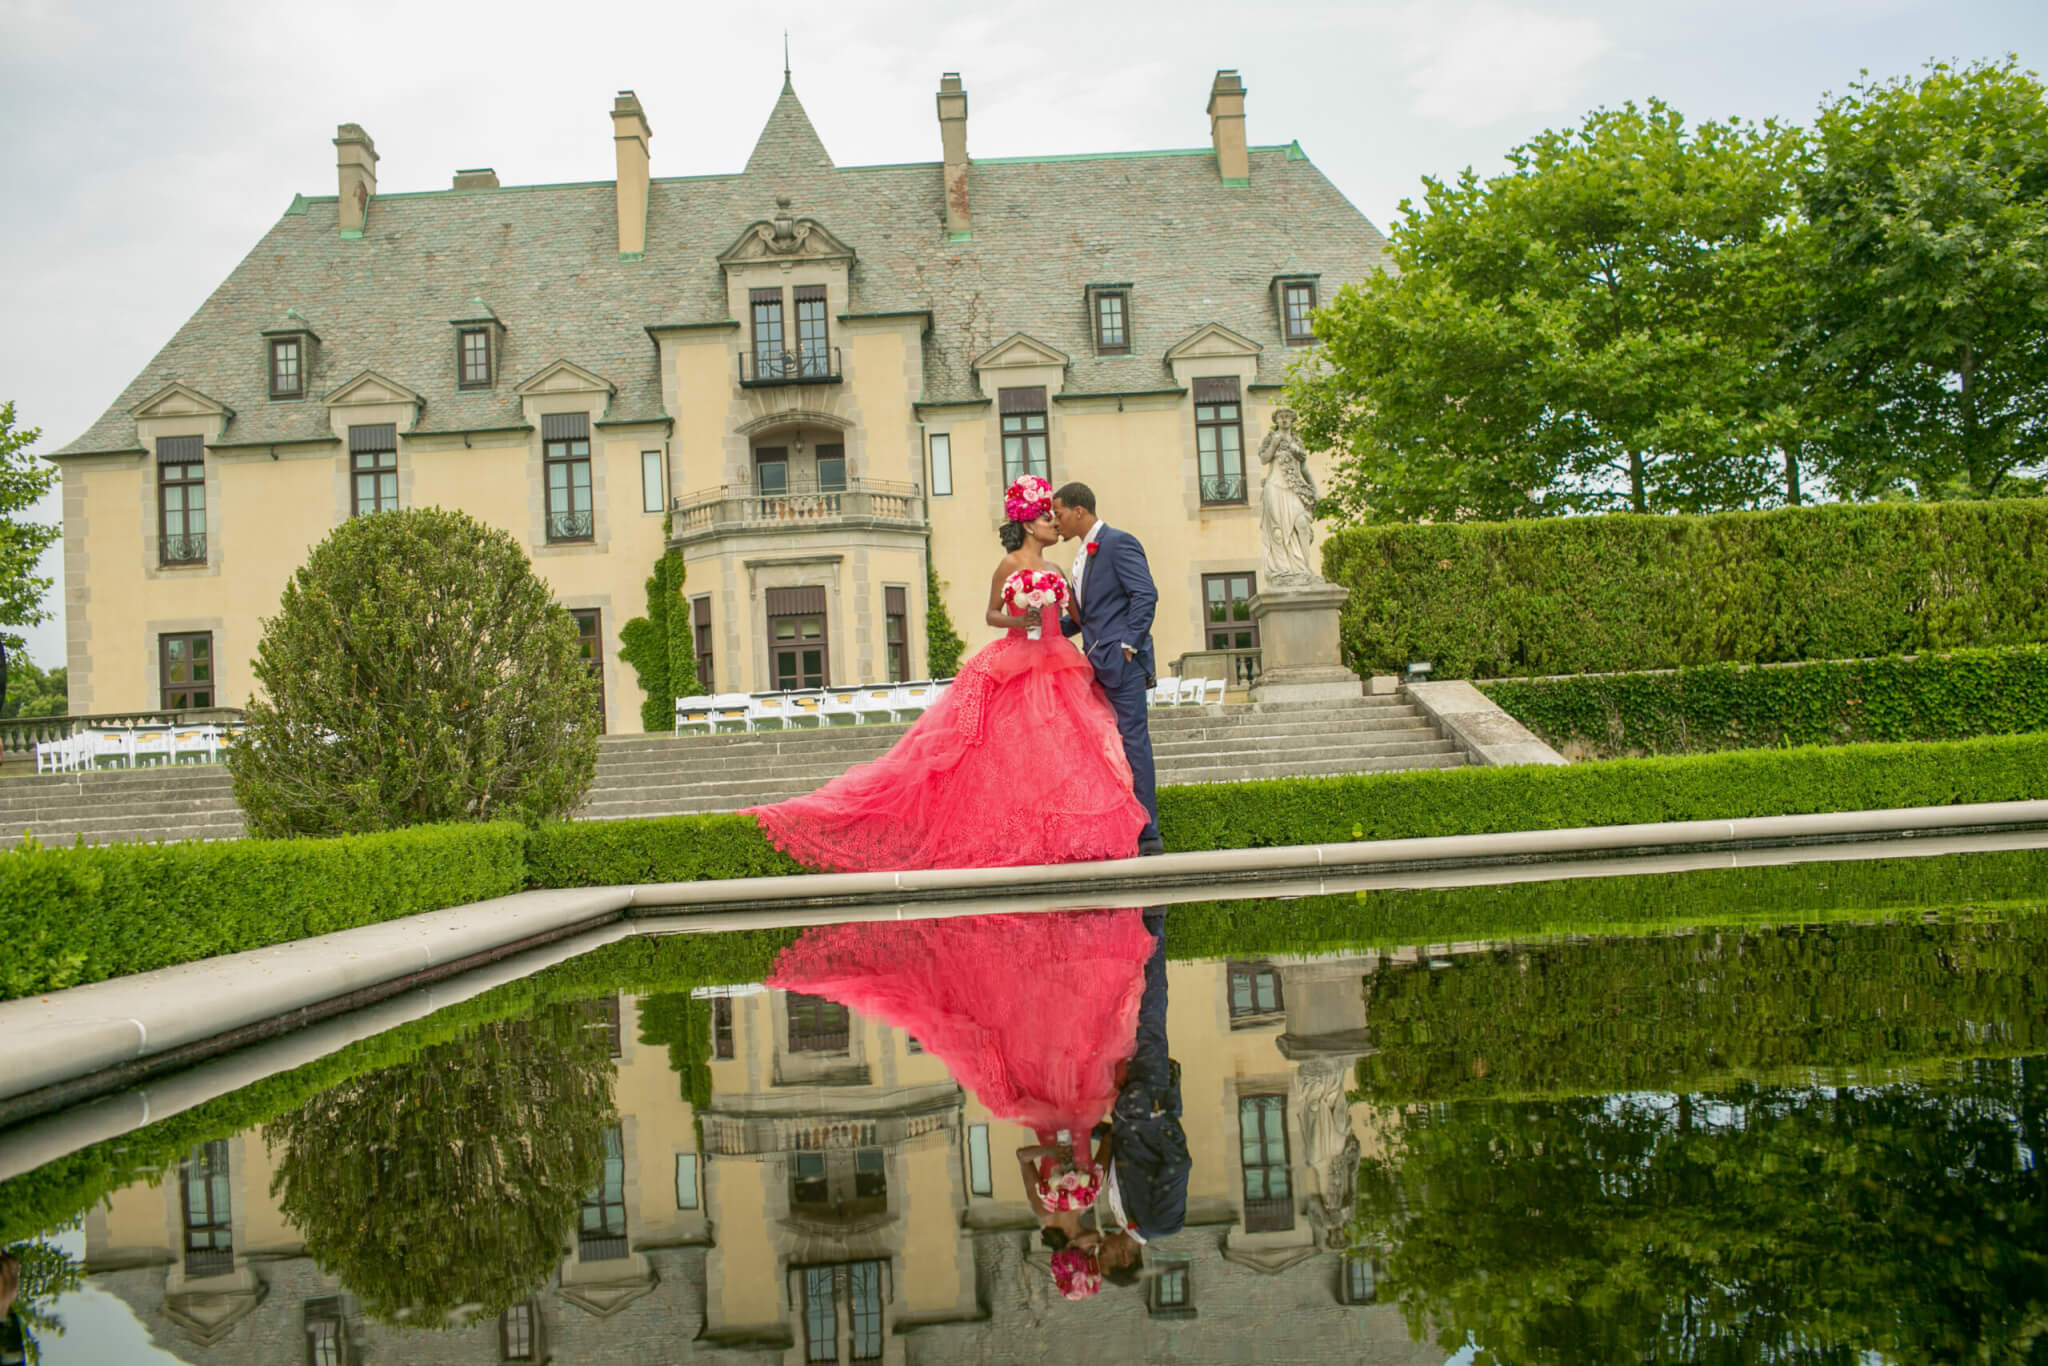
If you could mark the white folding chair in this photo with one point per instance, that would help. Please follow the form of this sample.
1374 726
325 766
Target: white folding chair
910 700
1190 691
694 713
805 709
106 749
767 711
837 708
729 712
1165 693
150 745
61 756
1212 690
200 744
874 704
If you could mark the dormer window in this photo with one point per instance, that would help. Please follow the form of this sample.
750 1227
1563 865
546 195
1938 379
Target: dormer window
473 357
1297 299
287 367
1109 319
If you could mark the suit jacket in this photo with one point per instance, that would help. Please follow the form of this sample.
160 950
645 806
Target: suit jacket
1115 607
1147 1143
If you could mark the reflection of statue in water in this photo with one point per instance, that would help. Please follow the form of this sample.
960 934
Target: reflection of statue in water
1329 1148
1287 506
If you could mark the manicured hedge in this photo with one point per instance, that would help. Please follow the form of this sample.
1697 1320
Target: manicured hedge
1622 592
86 913
1727 706
657 849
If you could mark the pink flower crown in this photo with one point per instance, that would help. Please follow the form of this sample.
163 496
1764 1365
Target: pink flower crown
1076 1273
1028 499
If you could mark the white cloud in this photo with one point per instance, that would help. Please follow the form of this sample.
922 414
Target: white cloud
1481 64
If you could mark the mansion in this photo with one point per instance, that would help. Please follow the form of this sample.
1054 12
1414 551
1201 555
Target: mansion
811 381
839 1197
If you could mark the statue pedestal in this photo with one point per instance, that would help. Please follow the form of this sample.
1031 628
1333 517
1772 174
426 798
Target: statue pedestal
1300 653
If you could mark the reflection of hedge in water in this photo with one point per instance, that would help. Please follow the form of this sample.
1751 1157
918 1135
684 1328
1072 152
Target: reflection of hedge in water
63 1189
1663 901
451 1179
1781 1225
1574 1018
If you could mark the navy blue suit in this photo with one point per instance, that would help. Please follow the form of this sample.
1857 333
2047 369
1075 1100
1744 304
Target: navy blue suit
1147 1143
1114 608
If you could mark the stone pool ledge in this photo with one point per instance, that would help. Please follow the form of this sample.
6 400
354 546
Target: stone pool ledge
71 1046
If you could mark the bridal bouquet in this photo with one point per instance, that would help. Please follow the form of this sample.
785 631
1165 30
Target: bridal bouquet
1028 591
1070 1188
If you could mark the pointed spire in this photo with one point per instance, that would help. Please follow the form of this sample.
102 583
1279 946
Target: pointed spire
787 141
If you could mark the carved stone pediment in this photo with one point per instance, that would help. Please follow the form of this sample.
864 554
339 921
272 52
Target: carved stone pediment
605 1298
1019 350
179 400
565 377
1212 339
207 1316
369 388
785 238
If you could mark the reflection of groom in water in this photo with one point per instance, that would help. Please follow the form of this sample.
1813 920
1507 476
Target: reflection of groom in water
1146 1190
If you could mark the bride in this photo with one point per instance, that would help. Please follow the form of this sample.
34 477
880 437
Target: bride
1018 762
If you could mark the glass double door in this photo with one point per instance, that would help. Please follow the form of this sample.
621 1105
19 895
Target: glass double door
797 653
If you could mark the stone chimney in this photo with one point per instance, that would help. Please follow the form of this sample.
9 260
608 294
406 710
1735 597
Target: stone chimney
1226 129
953 136
630 134
482 178
355 163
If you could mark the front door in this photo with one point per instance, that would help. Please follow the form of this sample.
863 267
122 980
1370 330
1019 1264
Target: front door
796 649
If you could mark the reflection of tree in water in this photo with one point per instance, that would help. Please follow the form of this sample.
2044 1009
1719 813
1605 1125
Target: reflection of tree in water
1811 1224
453 1179
47 1271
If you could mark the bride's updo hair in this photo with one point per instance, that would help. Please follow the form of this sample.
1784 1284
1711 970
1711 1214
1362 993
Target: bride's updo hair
1011 535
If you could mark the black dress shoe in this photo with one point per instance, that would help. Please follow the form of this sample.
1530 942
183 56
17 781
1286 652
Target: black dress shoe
1148 848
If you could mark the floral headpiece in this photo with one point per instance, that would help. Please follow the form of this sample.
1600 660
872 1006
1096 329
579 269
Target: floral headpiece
1076 1273
1027 500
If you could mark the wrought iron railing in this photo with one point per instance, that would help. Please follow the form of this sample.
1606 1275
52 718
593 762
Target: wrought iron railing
735 506
1223 488
600 1247
183 548
212 1261
1270 1215
1239 667
571 526
21 734
804 365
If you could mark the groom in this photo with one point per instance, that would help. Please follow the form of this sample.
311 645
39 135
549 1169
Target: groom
1113 602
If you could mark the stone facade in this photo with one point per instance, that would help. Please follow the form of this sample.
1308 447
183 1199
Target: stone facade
796 375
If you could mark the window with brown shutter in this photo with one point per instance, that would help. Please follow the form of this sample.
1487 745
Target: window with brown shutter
1112 322
1219 440
180 500
473 358
1025 449
896 614
700 625
813 349
373 468
565 443
766 308
1297 304
287 367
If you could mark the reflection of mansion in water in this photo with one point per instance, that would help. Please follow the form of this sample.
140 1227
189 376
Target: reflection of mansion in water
847 1202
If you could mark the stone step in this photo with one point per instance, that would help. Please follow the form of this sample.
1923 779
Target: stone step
1440 754
1250 741
110 782
140 810
109 831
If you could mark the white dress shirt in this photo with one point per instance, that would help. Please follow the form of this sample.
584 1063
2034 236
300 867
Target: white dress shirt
1081 556
1115 1197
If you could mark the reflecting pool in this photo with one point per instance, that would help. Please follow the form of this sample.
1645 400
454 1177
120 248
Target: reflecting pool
1784 1115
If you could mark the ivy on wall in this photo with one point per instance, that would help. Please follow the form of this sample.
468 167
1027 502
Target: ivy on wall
659 645
942 644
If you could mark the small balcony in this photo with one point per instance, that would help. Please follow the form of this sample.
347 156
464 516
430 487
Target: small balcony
732 509
177 549
806 365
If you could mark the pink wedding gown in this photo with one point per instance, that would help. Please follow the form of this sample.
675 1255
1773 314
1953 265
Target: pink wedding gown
1018 762
1030 1012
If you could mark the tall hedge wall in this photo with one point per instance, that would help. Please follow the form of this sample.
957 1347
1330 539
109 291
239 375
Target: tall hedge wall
1622 592
1735 706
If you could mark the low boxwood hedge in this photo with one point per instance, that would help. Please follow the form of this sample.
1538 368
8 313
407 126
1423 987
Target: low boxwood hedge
83 914
1728 706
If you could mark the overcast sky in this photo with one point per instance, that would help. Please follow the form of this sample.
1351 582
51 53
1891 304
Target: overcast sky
145 147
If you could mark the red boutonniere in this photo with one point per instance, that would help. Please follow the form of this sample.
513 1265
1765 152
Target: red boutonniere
1094 546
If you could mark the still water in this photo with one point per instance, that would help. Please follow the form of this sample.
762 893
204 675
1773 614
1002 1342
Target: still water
1788 1115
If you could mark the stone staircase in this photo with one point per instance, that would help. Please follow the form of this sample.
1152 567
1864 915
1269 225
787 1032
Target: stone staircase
663 775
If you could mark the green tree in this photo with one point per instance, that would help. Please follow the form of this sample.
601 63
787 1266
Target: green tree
1578 334
1821 1224
1930 295
942 644
659 647
31 691
453 1179
23 480
47 1271
418 670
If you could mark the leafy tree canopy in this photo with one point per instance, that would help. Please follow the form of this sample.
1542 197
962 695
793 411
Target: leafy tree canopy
417 671
23 480
33 692
451 1180
1578 334
1930 280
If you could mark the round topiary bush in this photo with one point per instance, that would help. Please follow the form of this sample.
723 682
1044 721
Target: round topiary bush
418 670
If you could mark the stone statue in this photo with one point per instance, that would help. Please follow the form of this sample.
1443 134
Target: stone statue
1287 506
1330 1148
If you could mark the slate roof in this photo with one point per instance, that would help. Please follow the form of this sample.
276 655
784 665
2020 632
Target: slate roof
545 258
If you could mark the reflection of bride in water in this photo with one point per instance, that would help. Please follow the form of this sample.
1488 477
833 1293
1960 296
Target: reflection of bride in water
1033 1013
